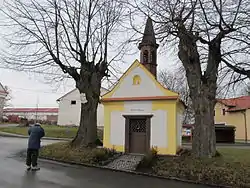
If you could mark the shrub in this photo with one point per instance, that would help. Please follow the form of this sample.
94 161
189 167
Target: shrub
64 151
188 152
184 151
102 154
149 158
99 155
98 142
217 154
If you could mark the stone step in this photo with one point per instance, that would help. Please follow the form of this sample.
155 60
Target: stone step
126 162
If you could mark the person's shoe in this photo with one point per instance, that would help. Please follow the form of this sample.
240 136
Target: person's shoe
35 168
28 168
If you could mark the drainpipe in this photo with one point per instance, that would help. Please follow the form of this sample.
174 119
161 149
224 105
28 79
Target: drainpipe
245 122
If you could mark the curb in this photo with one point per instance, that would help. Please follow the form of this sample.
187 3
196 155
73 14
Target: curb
4 134
70 164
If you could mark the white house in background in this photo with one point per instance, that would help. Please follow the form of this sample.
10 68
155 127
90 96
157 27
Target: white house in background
70 108
3 95
43 114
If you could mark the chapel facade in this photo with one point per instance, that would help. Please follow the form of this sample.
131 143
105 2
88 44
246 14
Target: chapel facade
139 113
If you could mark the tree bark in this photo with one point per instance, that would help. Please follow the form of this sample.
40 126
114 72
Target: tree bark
202 92
204 100
87 132
204 141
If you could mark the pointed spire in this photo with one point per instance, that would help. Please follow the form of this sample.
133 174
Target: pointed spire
149 35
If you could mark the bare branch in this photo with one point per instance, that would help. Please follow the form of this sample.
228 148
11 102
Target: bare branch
237 69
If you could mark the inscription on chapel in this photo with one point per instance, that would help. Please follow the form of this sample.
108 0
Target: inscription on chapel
136 110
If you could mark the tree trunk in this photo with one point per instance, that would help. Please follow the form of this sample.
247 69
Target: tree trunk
87 132
204 141
202 92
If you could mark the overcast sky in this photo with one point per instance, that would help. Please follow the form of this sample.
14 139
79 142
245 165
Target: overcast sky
28 89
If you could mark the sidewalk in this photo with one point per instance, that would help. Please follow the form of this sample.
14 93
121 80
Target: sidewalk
4 134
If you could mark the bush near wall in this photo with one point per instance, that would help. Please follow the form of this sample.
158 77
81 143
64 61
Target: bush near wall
64 152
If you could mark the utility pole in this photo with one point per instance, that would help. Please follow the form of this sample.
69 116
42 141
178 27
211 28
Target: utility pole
37 101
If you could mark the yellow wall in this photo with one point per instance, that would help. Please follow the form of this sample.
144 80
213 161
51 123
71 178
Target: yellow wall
108 108
233 118
170 108
168 105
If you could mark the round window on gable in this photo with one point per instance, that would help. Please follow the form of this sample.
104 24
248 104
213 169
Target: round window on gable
136 80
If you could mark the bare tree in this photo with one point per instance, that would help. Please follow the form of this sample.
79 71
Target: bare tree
8 97
241 70
72 36
246 89
206 34
176 81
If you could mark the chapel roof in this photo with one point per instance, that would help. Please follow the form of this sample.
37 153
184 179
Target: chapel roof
169 95
148 35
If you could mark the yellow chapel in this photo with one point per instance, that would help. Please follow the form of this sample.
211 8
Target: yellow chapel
139 113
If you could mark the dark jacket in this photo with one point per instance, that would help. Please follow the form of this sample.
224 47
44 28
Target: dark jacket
35 132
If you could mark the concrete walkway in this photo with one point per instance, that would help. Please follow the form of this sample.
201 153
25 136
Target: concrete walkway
13 174
126 162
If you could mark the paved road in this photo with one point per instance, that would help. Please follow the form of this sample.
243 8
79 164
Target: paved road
13 174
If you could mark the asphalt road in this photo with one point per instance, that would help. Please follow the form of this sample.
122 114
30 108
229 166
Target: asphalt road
13 174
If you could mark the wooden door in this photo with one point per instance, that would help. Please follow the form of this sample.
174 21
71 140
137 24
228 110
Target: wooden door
138 135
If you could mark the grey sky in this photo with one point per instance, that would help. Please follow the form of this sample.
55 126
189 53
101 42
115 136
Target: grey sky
27 88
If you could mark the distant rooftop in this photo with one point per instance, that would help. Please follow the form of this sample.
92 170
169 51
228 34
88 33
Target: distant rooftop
236 104
45 110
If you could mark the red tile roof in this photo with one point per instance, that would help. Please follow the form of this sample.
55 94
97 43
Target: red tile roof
45 110
236 104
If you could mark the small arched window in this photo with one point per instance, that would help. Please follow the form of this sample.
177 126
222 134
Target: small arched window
136 80
145 56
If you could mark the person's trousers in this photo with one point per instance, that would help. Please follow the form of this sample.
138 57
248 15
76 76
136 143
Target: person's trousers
32 156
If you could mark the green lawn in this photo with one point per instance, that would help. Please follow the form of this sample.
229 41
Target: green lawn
231 168
50 131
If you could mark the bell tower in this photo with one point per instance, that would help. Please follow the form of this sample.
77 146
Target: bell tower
148 48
